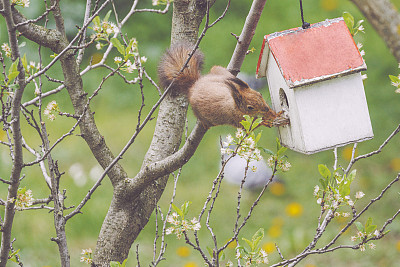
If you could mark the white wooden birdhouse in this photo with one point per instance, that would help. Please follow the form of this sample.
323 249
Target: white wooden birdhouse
315 75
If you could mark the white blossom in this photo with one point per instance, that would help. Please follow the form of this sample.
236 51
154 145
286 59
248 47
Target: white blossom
316 190
169 231
376 233
118 60
286 166
143 59
359 195
350 202
22 3
24 199
6 48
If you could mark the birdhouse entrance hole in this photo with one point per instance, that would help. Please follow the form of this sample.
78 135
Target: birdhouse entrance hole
283 100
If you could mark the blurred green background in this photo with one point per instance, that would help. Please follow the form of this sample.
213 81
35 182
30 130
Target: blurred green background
288 211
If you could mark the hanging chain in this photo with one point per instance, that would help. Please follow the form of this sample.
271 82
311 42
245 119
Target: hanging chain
305 24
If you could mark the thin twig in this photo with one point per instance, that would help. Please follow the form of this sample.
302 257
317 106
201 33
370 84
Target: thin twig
396 131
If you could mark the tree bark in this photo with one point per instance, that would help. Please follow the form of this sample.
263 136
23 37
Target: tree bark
385 18
128 214
17 155
246 36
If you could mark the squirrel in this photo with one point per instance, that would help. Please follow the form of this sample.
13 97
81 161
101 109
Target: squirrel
217 98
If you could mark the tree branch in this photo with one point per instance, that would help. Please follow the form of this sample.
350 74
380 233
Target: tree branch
385 18
17 137
169 164
246 36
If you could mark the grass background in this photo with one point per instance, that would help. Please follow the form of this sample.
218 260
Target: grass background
288 212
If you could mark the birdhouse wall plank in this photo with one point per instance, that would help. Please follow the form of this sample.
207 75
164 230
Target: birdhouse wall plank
333 113
290 135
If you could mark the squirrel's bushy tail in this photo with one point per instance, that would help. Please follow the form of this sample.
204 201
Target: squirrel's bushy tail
172 62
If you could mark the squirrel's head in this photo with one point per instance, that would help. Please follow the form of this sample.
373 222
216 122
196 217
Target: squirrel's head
249 101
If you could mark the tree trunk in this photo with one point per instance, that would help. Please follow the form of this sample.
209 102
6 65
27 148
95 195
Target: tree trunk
385 18
128 214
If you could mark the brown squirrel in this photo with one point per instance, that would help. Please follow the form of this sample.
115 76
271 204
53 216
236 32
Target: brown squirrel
217 98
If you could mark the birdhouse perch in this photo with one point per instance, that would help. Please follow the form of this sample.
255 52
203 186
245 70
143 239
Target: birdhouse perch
314 74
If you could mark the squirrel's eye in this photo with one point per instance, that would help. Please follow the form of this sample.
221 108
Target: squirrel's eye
249 107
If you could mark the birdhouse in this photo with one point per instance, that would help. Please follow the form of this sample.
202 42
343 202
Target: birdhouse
314 74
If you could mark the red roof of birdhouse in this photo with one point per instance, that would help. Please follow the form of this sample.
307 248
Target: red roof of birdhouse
323 51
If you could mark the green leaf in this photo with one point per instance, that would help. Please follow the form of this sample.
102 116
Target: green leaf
21 190
96 21
394 79
107 16
268 151
251 245
257 122
360 227
344 189
368 222
177 210
258 234
115 264
247 118
24 62
210 251
185 207
351 176
258 137
222 256
324 171
323 183
14 66
118 45
386 232
349 20
11 76
278 144
281 151
370 229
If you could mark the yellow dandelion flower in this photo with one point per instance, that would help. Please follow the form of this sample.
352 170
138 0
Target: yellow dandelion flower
277 221
183 252
398 245
277 189
329 5
233 244
96 58
395 164
311 265
3 136
269 247
190 264
274 231
294 209
347 151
